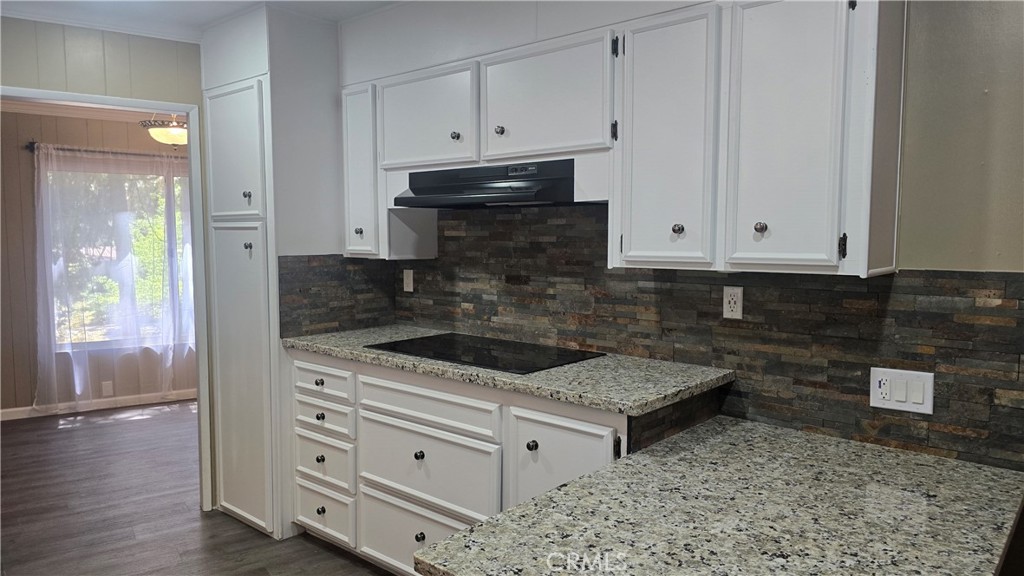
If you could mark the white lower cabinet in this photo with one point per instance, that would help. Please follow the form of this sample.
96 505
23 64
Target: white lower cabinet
391 529
432 457
545 450
328 513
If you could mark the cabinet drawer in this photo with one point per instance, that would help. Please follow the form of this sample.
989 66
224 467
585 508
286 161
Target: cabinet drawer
435 466
392 529
328 460
544 451
324 416
450 412
339 385
325 512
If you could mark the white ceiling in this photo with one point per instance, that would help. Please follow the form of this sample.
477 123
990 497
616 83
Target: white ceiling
182 20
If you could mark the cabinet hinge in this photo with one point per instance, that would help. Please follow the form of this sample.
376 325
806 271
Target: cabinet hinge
615 130
617 448
842 246
853 4
615 46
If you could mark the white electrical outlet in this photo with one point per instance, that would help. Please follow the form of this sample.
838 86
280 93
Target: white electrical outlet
108 388
902 390
732 302
407 280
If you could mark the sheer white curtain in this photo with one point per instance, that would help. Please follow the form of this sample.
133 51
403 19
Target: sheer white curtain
114 274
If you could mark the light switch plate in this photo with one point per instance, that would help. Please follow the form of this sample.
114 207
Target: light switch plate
902 390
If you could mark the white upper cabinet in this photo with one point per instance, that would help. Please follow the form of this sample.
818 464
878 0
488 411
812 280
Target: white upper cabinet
554 96
429 118
785 133
236 49
235 147
666 196
359 171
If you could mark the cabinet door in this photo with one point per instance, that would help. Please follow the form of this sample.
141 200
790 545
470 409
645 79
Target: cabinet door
543 451
240 349
359 171
786 84
552 97
670 104
429 119
235 148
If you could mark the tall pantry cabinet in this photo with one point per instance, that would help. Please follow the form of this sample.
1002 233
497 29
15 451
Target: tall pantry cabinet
270 82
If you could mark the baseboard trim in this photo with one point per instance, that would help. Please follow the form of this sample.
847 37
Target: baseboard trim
98 404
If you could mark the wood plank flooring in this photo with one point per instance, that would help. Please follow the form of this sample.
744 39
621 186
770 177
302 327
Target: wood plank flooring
116 493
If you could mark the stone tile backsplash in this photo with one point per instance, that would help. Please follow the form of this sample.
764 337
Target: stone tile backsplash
802 352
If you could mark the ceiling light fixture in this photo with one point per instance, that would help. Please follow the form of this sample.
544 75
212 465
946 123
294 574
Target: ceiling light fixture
173 131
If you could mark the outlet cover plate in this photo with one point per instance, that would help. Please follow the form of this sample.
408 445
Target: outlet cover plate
407 280
732 302
895 390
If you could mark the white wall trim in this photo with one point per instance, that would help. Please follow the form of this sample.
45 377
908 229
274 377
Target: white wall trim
98 404
206 471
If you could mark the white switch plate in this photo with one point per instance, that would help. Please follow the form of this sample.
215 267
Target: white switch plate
902 390
407 280
108 388
732 302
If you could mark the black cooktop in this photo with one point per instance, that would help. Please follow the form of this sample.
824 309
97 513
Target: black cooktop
492 353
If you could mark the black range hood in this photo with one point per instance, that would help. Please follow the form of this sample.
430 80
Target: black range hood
530 184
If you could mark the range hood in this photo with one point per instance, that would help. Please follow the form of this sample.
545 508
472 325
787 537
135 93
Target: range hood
529 184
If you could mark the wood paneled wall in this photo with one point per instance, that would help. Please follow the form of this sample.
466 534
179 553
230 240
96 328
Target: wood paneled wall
87 61
17 223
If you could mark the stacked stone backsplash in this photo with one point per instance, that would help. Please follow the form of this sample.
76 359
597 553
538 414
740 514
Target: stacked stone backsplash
321 294
802 353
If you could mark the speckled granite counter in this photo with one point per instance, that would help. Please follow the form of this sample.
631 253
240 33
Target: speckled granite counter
622 384
736 497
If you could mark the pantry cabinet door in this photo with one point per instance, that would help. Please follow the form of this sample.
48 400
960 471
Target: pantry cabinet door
670 103
236 125
552 97
785 134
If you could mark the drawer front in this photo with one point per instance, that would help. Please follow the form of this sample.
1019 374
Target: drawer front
328 513
544 451
338 385
476 418
392 529
325 416
326 459
441 468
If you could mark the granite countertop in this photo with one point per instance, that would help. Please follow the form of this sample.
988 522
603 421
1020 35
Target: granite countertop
622 384
736 497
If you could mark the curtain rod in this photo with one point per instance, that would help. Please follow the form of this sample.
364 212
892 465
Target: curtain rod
31 147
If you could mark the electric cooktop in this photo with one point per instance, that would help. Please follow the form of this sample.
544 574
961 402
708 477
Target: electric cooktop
492 353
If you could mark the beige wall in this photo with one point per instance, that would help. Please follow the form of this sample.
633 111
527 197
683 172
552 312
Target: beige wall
962 204
17 223
86 61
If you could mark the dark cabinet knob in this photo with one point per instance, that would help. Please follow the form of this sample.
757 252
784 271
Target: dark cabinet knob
247 194
358 231
678 229
760 227
318 382
499 130
456 135
532 445
419 455
320 511
321 416
420 536
247 246
321 459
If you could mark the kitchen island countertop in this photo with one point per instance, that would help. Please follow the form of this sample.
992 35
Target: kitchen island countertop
737 497
615 383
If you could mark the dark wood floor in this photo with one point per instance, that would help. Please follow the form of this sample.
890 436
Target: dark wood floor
116 493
